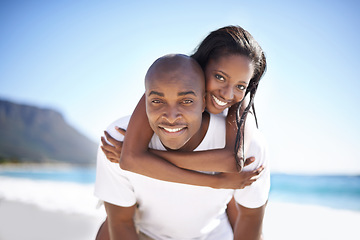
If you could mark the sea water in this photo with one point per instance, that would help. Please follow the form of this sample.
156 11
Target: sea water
341 192
71 189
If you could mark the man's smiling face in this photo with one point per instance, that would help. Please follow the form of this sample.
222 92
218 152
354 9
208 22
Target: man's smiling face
175 100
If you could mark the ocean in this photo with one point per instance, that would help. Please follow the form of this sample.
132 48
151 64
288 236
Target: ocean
53 187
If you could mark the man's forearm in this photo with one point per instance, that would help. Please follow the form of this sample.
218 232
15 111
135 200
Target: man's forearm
121 224
122 230
249 223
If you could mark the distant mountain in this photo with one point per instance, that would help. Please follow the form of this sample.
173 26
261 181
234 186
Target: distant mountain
32 134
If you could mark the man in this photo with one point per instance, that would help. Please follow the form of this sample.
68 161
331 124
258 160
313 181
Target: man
137 205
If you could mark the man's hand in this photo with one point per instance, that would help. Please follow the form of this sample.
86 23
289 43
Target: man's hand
112 152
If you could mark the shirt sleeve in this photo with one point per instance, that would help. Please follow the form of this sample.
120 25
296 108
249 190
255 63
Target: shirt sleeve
256 194
111 184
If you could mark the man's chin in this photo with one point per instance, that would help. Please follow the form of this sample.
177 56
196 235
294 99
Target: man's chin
171 145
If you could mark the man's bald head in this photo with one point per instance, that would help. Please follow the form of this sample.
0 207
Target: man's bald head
175 99
175 67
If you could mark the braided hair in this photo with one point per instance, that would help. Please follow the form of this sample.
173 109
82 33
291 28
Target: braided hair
234 40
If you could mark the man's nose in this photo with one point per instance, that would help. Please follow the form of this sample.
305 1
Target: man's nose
172 114
227 92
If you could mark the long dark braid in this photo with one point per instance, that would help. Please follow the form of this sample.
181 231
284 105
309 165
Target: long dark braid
228 41
240 120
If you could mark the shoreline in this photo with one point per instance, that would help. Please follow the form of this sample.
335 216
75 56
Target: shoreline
45 165
283 221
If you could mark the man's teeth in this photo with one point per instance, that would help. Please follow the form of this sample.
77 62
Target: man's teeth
221 103
172 129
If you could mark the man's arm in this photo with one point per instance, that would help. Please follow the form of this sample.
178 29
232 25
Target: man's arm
232 212
249 223
121 223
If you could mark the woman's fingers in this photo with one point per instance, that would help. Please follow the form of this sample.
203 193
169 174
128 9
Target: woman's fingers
113 149
248 161
107 146
110 155
252 176
120 130
112 140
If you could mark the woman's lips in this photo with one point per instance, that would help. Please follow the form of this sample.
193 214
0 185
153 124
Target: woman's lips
218 102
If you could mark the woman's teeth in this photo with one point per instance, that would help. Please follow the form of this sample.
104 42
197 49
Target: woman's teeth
220 103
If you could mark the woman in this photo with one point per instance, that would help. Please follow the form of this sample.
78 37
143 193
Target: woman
233 63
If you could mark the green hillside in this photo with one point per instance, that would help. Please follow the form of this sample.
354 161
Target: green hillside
32 134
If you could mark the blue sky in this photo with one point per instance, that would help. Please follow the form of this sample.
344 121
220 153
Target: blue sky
87 59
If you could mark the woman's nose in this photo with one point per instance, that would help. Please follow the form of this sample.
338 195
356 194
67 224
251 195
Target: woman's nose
227 93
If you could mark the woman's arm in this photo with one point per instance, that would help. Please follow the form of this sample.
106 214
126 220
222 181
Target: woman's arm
215 160
219 160
135 157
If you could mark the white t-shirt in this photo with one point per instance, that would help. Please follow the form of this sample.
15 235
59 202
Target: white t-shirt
171 210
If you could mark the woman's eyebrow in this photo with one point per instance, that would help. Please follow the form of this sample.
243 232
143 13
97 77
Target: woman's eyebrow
223 73
245 82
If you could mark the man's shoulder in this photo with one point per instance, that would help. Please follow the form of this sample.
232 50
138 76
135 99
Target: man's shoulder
258 140
120 122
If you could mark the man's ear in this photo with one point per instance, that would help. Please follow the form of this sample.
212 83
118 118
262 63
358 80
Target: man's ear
204 102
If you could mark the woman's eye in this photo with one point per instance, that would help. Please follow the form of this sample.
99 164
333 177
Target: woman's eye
219 77
241 87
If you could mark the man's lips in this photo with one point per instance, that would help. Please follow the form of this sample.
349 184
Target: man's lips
172 129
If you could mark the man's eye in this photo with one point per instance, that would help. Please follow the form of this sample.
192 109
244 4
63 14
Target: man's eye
155 101
219 77
187 101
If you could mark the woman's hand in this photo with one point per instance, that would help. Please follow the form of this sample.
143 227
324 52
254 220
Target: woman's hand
112 152
242 179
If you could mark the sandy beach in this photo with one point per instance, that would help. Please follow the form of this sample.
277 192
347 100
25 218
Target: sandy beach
20 221
287 221
58 210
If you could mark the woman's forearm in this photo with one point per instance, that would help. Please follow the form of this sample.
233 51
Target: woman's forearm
136 158
150 165
215 160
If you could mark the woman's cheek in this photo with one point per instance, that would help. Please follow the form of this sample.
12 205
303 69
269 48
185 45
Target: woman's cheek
210 84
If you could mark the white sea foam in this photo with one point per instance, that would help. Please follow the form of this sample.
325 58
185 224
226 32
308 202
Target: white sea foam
51 195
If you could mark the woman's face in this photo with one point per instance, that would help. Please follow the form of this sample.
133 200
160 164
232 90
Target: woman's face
226 81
